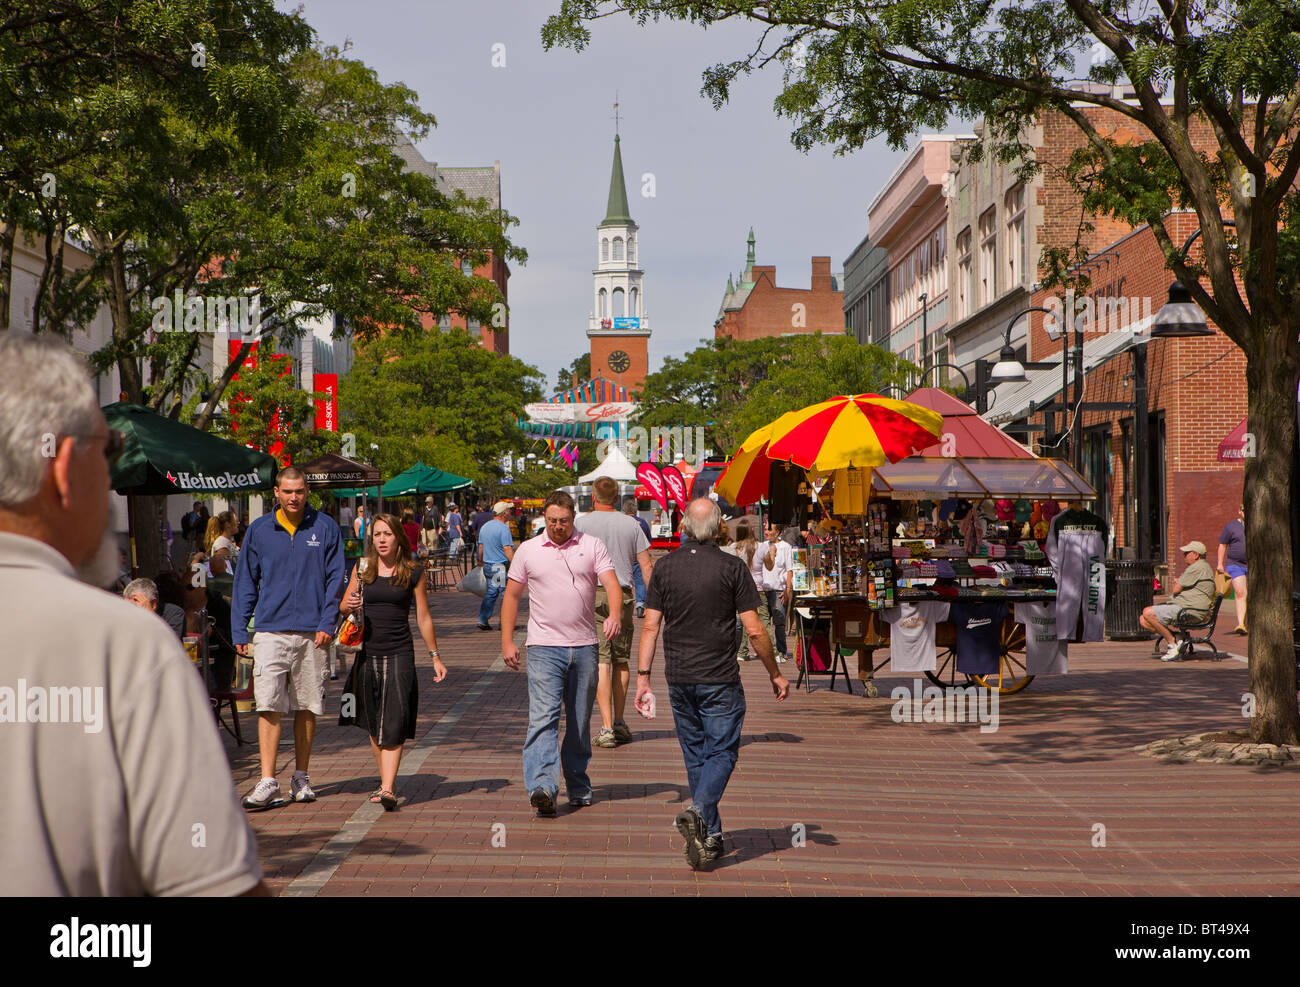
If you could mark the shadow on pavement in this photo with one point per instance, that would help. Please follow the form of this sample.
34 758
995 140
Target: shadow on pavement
749 844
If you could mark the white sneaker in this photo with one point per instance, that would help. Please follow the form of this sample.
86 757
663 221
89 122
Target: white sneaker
265 794
300 788
780 659
1171 654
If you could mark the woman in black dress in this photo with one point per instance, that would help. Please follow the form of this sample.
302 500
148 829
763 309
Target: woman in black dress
382 682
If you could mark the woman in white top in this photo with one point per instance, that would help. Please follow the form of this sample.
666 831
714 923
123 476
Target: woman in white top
745 547
220 542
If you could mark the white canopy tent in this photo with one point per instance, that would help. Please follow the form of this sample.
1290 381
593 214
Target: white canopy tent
616 466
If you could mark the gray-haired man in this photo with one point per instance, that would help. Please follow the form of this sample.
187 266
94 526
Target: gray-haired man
103 789
696 592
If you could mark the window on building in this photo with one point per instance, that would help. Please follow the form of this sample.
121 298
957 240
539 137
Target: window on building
963 274
473 325
604 248
444 324
604 304
618 248
633 296
1017 235
619 299
988 275
466 267
631 250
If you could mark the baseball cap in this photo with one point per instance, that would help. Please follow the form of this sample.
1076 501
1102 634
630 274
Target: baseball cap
501 506
1194 546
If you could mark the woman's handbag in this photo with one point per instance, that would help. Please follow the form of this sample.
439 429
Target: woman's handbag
347 636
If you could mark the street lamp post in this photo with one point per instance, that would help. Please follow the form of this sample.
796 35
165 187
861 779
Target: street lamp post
951 366
925 331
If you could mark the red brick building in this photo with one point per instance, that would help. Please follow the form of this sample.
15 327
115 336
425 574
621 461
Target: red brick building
757 307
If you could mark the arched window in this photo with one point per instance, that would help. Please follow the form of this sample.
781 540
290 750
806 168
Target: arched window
604 248
631 250
618 303
618 248
633 298
604 303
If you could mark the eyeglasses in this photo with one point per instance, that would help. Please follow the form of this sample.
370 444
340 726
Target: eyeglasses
114 443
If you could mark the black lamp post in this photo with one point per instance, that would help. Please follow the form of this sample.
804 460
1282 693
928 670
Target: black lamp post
951 366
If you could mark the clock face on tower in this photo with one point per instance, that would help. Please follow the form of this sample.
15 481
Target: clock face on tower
619 361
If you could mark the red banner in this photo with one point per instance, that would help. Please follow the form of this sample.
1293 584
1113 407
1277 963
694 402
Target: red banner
676 485
327 409
649 475
276 447
238 398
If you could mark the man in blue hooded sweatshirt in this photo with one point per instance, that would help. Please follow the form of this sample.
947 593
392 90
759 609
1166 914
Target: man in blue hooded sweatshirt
289 580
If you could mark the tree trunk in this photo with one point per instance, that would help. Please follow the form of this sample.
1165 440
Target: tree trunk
1271 377
120 308
10 221
204 417
148 539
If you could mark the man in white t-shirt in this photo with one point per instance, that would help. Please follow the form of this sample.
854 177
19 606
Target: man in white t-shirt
111 757
777 560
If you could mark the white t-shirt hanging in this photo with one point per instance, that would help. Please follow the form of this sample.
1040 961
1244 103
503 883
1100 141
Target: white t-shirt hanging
1044 654
911 637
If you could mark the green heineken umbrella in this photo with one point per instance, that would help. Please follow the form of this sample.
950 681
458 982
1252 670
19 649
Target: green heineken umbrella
163 456
422 479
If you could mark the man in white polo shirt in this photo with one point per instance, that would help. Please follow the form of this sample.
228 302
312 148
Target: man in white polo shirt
561 568
110 756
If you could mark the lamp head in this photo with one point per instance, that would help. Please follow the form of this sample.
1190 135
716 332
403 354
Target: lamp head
1008 370
1180 317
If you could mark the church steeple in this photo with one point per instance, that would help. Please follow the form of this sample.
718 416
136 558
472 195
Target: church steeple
617 211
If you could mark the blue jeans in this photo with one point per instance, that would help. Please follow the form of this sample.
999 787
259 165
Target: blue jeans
709 719
558 675
495 574
776 610
638 583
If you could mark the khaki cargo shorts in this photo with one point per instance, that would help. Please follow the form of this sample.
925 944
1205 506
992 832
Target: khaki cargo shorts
289 672
619 650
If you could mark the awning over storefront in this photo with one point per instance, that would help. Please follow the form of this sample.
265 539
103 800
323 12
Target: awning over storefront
1233 448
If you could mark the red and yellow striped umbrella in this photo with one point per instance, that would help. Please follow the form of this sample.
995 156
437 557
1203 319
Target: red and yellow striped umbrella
862 430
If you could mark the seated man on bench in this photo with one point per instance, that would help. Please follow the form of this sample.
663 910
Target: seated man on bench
1193 595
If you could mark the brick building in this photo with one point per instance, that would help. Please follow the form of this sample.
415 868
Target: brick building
756 307
476 183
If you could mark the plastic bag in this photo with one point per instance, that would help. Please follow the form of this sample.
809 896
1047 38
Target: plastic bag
474 581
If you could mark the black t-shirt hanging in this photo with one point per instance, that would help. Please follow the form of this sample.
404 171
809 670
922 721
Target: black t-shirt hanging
979 635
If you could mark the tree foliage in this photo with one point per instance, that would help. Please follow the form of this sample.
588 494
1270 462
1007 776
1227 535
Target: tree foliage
437 397
733 387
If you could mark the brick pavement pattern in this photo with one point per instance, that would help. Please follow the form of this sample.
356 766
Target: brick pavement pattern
882 807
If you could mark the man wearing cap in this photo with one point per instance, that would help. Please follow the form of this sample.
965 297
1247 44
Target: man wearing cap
496 548
1193 592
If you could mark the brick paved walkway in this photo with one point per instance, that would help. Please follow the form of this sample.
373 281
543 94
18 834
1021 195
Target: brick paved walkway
884 807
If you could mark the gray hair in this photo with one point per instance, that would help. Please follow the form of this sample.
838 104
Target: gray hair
629 504
47 396
141 587
703 519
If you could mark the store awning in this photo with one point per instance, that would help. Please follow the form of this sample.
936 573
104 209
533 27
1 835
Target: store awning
938 477
333 470
1233 448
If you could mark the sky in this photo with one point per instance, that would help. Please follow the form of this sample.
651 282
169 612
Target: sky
548 118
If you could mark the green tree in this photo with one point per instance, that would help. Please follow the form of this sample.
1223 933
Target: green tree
733 387
580 368
854 71
270 408
437 397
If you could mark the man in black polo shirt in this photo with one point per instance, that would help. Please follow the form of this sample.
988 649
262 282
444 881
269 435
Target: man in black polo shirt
696 592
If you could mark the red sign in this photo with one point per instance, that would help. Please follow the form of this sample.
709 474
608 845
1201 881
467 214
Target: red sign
675 484
238 398
327 409
649 474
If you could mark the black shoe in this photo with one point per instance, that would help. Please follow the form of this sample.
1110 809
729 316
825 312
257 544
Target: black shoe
485 627
543 802
580 803
712 849
640 611
692 828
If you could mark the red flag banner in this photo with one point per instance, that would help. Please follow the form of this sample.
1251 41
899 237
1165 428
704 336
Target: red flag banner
650 475
676 485
327 408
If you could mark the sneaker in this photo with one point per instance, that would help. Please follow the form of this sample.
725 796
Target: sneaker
691 826
780 659
580 802
605 738
264 795
1171 653
484 627
543 802
712 848
640 611
300 788
621 732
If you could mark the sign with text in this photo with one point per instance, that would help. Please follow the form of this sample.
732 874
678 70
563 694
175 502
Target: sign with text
327 408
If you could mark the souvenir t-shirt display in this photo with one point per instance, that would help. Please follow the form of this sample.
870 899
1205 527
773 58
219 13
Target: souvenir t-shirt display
911 638
1045 654
979 635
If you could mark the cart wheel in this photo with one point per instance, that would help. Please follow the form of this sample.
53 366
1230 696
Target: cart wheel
869 689
945 674
1012 675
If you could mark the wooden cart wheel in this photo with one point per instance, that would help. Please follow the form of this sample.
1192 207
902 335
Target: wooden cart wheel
1012 674
945 674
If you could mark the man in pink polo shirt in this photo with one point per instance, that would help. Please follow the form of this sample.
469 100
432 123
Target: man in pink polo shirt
561 568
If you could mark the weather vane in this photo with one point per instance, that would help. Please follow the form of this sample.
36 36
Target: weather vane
615 112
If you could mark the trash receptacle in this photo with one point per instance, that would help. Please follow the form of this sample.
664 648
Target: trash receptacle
1128 593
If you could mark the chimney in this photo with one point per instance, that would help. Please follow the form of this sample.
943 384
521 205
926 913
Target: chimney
821 274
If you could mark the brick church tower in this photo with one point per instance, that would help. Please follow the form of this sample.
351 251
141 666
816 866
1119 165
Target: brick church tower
618 328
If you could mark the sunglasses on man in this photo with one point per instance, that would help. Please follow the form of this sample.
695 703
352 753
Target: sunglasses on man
114 443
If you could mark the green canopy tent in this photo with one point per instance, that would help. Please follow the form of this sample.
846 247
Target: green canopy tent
162 456
422 479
